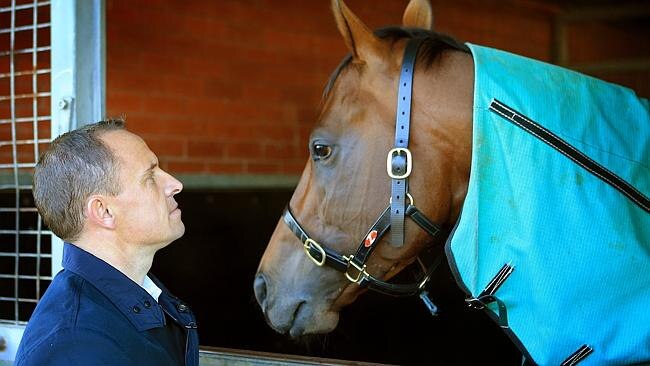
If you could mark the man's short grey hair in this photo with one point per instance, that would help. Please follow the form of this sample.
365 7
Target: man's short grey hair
75 166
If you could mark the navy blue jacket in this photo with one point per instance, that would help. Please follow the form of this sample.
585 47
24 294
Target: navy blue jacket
92 314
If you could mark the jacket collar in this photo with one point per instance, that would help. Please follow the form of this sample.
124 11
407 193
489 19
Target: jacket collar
134 302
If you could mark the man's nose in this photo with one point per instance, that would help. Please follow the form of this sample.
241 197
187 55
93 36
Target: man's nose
174 186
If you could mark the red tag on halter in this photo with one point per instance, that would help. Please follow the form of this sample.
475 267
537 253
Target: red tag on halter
372 236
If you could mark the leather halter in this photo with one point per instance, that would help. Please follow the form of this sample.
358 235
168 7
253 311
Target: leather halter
399 164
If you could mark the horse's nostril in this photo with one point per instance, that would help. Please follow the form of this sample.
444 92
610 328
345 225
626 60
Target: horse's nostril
259 286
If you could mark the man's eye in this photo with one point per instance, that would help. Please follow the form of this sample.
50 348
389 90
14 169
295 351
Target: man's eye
321 151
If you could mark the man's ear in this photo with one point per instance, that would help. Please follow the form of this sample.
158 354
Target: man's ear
99 213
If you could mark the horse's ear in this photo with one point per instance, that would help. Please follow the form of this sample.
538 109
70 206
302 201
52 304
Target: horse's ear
358 37
418 14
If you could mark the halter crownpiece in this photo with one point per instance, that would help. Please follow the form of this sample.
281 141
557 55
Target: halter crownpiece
399 162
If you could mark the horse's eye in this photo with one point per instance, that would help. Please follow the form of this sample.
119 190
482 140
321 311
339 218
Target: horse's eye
321 151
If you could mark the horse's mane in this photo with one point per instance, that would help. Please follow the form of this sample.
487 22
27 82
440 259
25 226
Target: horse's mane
432 46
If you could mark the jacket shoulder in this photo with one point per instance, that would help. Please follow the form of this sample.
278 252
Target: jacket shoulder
60 313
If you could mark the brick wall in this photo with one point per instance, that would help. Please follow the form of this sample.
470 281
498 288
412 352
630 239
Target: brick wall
25 105
232 87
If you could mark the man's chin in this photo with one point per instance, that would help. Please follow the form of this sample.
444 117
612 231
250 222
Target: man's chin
175 233
180 231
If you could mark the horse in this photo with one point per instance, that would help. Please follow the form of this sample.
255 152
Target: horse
538 194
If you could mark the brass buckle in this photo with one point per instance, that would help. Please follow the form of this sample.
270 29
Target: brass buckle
389 160
309 243
361 270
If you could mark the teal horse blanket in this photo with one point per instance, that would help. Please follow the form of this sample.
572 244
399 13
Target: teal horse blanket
554 234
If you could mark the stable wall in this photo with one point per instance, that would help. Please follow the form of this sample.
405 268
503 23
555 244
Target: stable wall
233 87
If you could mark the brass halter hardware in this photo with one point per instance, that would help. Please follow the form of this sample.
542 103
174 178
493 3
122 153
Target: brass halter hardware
361 271
310 243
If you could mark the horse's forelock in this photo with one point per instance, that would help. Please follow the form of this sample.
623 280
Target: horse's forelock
434 44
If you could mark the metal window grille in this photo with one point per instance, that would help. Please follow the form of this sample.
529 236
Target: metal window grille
25 129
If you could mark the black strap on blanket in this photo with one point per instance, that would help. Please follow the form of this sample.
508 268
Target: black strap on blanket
572 153
487 296
578 356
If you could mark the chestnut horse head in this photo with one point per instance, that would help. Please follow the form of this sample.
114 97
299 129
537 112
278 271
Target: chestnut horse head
345 185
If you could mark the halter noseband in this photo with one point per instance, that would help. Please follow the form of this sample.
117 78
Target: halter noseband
398 166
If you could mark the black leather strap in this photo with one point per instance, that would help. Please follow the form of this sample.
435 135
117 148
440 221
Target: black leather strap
356 263
399 157
381 225
487 296
484 300
422 221
398 165
401 289
332 258
293 225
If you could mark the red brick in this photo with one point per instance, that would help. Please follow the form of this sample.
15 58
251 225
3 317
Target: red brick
226 97
242 150
278 151
276 134
209 149
185 167
226 167
156 125
24 154
127 102
267 93
167 147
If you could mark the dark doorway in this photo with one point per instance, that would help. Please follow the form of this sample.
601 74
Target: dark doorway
213 265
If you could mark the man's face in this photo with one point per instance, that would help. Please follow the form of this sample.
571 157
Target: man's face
145 210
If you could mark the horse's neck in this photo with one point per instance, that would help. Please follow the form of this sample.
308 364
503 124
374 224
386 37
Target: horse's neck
445 94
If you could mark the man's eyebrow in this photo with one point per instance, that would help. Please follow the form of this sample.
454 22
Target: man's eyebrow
152 167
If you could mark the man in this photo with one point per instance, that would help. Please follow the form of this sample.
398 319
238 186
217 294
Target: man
100 189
